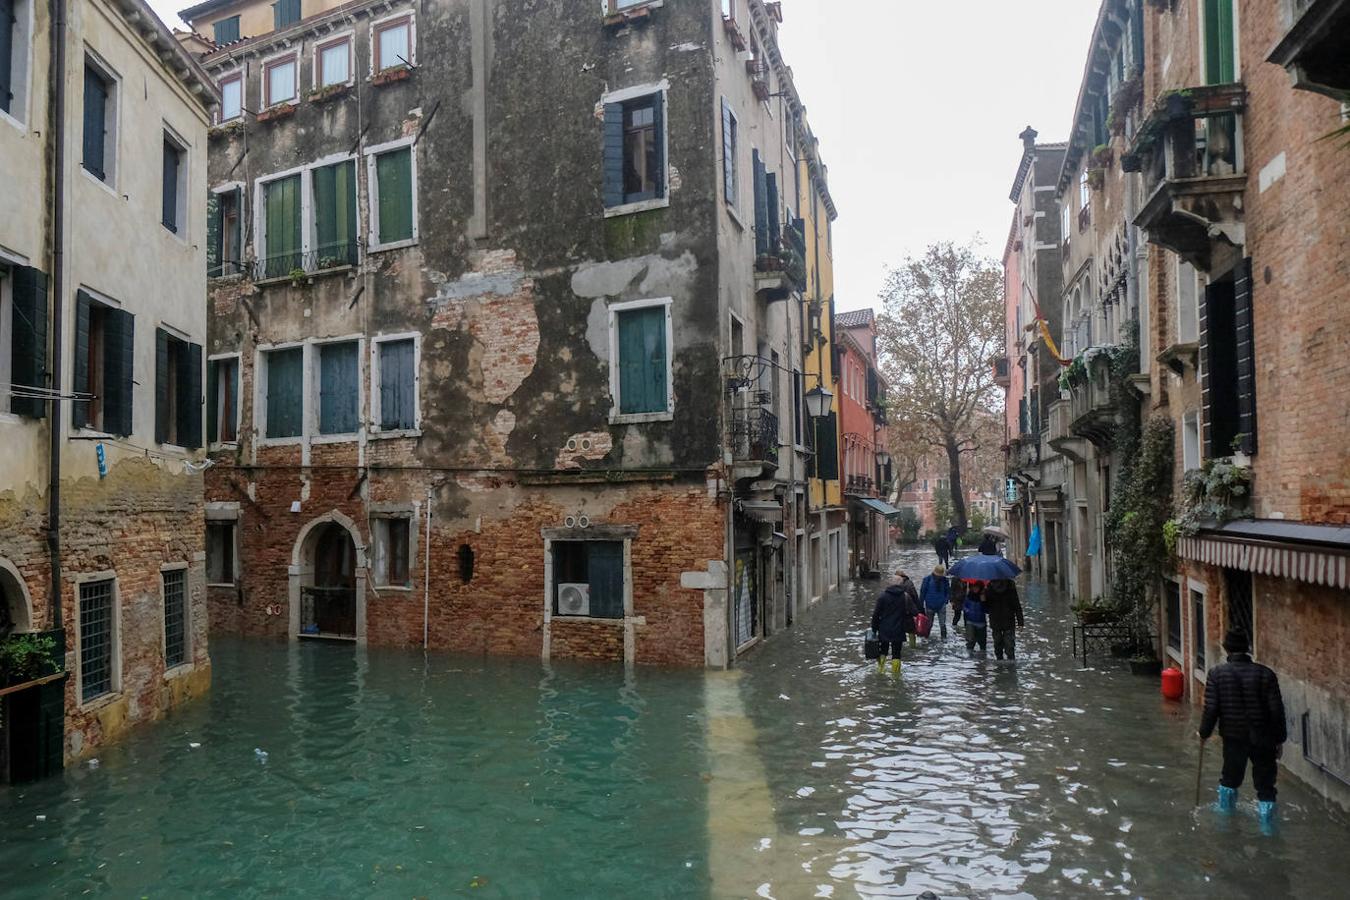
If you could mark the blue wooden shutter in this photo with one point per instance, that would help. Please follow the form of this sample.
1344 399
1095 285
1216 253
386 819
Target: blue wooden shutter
79 409
162 376
119 355
604 569
612 158
189 411
212 400
393 171
728 155
213 235
1246 355
95 117
170 192
28 339
338 389
761 204
285 397
398 389
659 136
642 361
285 12
226 30
6 52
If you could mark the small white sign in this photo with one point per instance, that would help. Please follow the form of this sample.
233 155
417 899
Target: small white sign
295 506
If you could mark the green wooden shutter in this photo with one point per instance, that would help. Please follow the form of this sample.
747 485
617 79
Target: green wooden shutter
28 339
761 204
612 159
335 214
1219 62
213 235
95 117
1246 355
285 12
212 400
189 411
170 192
227 30
325 219
283 226
338 389
234 265
344 185
162 376
119 355
79 409
6 52
393 170
827 448
398 386
775 216
659 136
285 394
642 360
604 569
728 155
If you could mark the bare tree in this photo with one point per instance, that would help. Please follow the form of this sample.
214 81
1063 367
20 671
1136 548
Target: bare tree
941 326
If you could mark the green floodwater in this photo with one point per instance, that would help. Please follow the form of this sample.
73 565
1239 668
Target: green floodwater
394 774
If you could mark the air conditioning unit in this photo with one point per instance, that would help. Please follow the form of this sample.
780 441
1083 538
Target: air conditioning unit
574 599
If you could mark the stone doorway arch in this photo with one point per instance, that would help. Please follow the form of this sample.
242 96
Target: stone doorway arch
327 596
16 606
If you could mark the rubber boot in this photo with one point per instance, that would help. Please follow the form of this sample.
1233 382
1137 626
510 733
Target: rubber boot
1265 811
895 666
1227 799
913 639
881 664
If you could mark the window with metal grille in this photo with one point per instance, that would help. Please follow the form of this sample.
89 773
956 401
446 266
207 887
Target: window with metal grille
1198 628
175 618
96 639
1173 615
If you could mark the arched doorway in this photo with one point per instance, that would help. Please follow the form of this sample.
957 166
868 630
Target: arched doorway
328 581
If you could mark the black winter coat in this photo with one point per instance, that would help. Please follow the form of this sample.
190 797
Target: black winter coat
1003 606
1243 697
894 614
989 546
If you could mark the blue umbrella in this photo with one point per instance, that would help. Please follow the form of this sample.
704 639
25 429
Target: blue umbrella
983 568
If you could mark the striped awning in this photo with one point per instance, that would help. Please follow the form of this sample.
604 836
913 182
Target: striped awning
1314 565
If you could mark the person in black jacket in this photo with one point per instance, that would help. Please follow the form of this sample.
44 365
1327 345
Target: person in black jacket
989 545
893 618
944 550
1004 609
1243 699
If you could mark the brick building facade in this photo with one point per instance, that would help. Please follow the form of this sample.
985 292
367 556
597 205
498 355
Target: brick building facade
504 358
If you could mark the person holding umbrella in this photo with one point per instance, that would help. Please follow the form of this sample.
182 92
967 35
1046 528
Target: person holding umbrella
1005 616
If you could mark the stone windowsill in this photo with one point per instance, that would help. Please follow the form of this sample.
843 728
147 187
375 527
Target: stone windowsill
308 279
587 620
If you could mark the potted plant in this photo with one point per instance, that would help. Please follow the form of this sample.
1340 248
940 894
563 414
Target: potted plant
1146 663
27 657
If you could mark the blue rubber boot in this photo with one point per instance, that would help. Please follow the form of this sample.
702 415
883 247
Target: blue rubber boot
1227 799
1265 810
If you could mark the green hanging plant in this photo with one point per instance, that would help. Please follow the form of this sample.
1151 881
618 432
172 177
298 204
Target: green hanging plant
1218 492
27 657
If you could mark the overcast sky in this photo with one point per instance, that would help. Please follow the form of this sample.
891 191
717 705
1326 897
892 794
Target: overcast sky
918 105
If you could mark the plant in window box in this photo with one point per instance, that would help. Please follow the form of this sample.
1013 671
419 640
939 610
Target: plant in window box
297 276
280 111
391 75
226 129
330 92
1097 611
1102 156
1218 492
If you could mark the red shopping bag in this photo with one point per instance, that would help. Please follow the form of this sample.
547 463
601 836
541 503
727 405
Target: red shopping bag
923 624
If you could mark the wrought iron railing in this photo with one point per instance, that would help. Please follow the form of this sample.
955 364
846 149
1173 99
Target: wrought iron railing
296 264
860 485
754 434
328 611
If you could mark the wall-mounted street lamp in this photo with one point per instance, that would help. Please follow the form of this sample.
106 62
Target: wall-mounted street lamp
883 458
818 402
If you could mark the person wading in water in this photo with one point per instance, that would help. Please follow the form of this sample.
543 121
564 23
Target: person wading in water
893 618
1243 698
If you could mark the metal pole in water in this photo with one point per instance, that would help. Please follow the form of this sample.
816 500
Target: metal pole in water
426 577
1200 772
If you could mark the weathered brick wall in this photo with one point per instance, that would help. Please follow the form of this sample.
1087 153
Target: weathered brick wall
23 544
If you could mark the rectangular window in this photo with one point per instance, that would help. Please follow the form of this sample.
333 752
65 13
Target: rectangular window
104 357
392 545
1220 42
588 579
231 97
284 371
100 111
226 31
1198 628
285 12
224 232
1084 191
635 143
730 149
175 618
1188 308
222 400
15 28
178 391
826 461
1190 441
220 549
335 215
279 81
1228 366
334 62
396 385
641 367
339 388
97 638
282 252
394 204
393 44
798 399
173 207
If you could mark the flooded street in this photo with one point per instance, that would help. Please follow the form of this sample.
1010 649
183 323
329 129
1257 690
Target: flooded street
804 773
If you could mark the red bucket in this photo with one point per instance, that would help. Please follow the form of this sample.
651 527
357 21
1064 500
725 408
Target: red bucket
1173 683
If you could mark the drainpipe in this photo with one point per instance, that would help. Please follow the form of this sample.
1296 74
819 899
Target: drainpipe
426 577
57 296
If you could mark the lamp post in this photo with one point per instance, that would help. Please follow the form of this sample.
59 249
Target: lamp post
818 402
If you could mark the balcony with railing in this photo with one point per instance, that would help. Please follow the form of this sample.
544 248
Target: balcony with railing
1094 411
297 265
1189 150
1060 436
780 257
860 486
1002 371
1316 48
753 424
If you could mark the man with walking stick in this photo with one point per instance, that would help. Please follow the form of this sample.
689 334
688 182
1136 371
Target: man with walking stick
1243 698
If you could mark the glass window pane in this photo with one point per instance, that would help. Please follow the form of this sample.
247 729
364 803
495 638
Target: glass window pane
280 82
393 46
333 64
231 99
